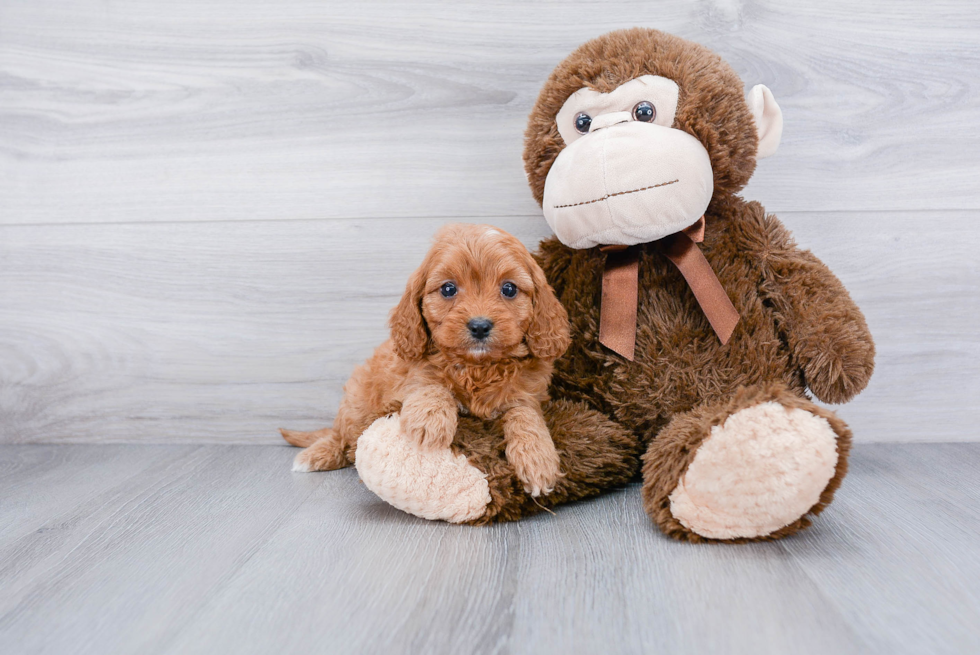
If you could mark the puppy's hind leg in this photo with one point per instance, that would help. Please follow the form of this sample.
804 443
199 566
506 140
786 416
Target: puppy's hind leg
325 454
333 448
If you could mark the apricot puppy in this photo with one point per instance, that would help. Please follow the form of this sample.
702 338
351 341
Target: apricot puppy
476 332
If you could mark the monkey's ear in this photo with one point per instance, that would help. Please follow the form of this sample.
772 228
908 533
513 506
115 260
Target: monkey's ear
409 333
768 119
548 335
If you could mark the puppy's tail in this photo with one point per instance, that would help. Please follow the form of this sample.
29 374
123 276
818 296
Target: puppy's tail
304 439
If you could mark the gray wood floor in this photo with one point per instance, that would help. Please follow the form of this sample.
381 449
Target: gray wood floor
213 549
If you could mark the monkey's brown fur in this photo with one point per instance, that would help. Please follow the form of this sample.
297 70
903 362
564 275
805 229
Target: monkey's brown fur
799 328
675 446
596 455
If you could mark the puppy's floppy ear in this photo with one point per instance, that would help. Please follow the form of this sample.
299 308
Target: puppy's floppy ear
409 333
548 335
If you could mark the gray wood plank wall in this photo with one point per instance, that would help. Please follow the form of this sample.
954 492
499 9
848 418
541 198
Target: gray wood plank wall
207 208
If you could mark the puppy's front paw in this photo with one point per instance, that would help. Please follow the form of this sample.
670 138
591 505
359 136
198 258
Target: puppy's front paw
536 463
429 426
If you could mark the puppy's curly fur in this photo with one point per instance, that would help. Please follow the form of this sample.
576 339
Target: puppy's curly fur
434 366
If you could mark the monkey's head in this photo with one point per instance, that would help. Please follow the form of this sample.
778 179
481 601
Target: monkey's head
636 131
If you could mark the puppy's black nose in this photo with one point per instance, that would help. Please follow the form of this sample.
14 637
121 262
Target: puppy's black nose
480 328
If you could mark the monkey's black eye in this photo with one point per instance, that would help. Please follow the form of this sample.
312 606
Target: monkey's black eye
583 122
644 112
509 289
448 290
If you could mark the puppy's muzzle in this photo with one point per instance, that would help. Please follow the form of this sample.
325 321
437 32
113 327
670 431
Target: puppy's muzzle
480 328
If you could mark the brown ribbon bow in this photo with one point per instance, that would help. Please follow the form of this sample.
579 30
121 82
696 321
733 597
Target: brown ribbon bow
617 317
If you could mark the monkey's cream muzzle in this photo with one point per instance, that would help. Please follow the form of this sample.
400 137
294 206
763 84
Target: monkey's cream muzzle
626 176
625 183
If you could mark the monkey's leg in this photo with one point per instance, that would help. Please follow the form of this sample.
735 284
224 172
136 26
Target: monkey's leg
475 483
754 467
595 454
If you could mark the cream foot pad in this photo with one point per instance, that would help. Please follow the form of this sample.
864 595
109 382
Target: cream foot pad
765 467
432 484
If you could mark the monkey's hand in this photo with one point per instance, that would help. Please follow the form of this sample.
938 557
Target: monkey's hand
821 324
837 358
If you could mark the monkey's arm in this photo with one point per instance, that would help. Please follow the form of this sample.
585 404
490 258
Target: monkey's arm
822 325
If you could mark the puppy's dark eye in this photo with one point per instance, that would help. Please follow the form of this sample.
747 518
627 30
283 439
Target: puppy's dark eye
583 122
448 290
509 289
644 112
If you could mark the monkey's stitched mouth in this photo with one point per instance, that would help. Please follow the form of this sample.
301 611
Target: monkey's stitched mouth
618 193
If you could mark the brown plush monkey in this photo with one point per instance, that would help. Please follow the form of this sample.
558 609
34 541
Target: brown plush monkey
690 363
